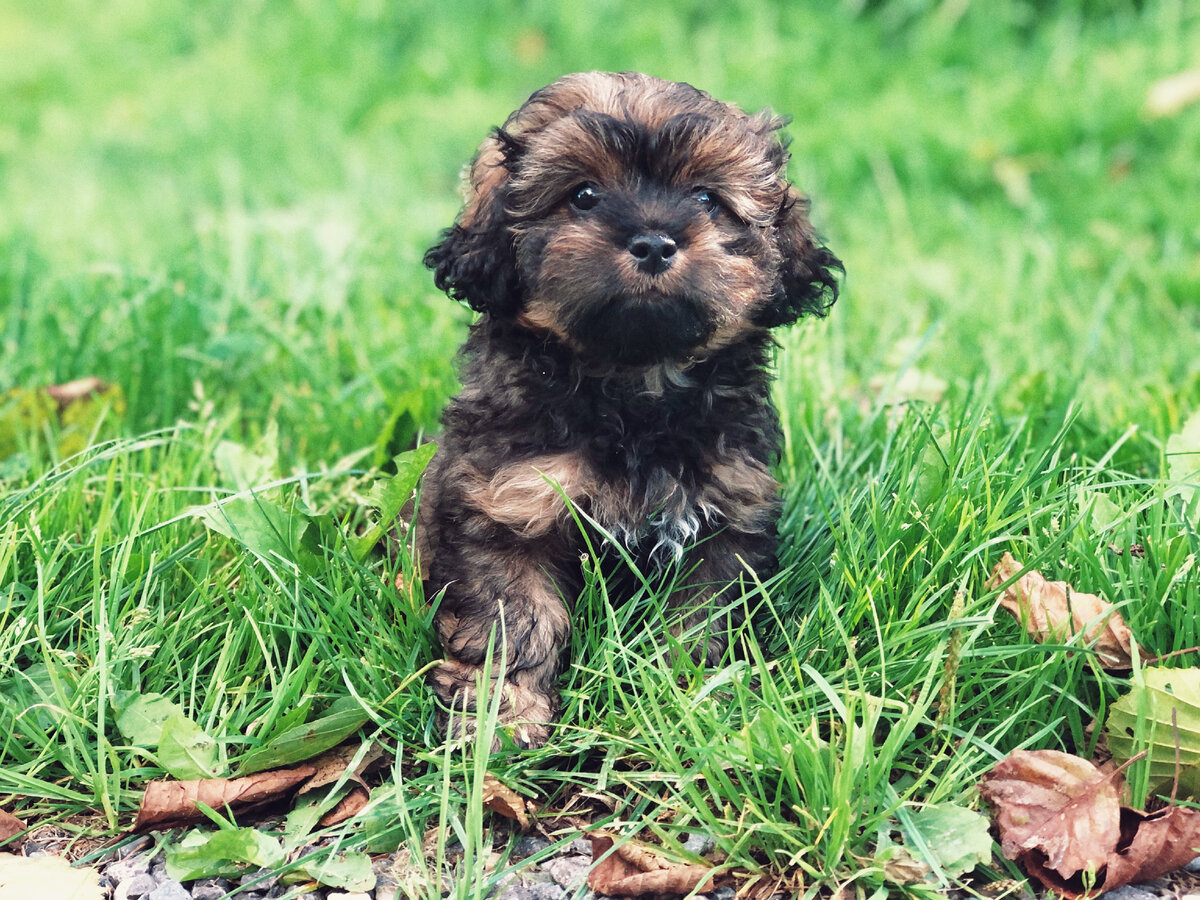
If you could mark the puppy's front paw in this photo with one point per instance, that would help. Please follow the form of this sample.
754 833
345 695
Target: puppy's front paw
525 714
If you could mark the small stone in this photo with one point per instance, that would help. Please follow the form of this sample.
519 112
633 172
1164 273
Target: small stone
581 846
169 890
699 843
1128 892
722 893
530 844
517 890
210 890
129 867
261 880
569 871
158 867
135 888
1194 865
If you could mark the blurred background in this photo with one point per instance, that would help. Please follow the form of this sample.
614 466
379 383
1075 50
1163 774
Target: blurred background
230 200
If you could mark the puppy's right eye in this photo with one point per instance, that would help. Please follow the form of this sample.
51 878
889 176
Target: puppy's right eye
584 197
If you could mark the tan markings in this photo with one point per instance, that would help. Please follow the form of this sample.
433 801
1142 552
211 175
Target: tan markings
737 490
527 496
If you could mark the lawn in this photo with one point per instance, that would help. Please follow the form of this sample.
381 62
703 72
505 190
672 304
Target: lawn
220 210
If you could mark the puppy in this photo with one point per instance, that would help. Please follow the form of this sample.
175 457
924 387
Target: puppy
629 243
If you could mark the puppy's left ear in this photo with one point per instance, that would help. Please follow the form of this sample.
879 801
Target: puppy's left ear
475 261
807 283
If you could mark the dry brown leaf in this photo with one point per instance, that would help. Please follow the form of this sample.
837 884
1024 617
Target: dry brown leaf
1163 841
10 826
1052 611
169 803
633 869
1056 805
332 763
347 807
73 391
1060 818
500 798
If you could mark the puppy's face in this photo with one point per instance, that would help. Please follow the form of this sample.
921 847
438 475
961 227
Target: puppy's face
635 220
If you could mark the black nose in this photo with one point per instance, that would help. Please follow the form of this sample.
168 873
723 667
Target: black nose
653 252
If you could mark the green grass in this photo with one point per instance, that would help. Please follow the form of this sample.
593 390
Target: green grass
222 210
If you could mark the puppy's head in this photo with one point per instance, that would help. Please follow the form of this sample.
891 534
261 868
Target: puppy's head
635 220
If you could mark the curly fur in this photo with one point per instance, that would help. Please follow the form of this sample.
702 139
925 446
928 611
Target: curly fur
629 242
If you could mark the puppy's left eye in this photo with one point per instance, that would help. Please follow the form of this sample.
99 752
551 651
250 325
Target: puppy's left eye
708 201
584 197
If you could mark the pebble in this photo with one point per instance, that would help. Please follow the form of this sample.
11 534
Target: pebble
568 871
210 890
170 890
137 871
135 888
699 843
1128 892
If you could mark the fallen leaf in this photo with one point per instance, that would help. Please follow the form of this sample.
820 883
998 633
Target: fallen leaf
1163 841
901 868
304 742
222 854
1059 817
1052 611
171 803
350 871
331 764
500 798
47 876
1057 805
632 869
955 838
10 826
73 391
1167 704
1183 467
348 807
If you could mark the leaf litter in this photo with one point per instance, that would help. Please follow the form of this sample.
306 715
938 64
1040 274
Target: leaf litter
1053 612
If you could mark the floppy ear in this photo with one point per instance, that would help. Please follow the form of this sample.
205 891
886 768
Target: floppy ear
474 261
806 284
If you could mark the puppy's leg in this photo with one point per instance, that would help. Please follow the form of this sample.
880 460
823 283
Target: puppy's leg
710 590
515 596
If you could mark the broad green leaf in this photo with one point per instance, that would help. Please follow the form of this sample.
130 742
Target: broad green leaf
223 853
140 717
1168 701
302 742
1183 466
186 751
266 529
1103 511
34 694
242 468
388 496
956 838
350 871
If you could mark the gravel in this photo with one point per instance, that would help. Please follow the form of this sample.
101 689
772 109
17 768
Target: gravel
137 871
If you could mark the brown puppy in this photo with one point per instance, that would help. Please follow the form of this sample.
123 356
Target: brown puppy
628 242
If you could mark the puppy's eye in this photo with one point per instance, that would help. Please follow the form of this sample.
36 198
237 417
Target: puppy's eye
708 201
584 197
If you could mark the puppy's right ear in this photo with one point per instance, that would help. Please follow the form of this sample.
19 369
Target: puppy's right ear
475 261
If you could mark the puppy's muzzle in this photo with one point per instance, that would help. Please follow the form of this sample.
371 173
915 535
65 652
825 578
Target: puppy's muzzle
654 252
